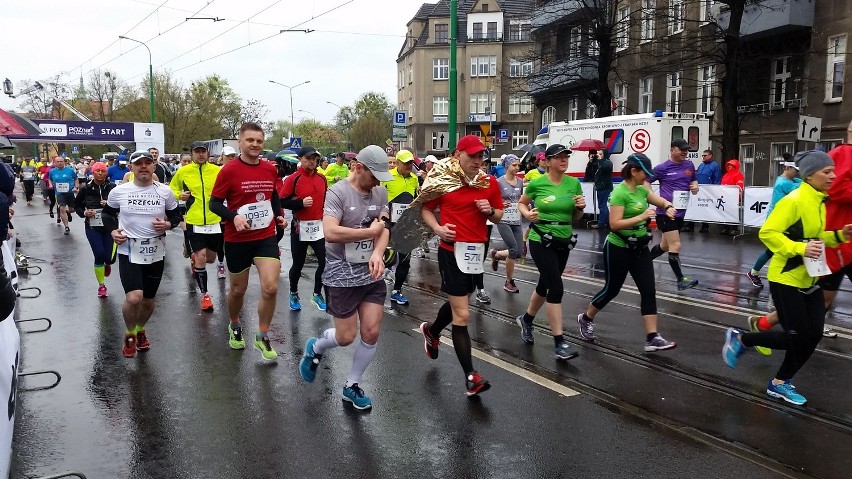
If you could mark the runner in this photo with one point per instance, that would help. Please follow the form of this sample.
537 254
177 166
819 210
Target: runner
337 170
116 172
466 197
248 185
81 168
194 184
145 210
511 188
47 191
89 204
355 223
401 192
796 235
559 201
677 179
304 192
626 250
64 182
29 175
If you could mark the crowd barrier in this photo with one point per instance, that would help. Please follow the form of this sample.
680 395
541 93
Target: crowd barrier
10 346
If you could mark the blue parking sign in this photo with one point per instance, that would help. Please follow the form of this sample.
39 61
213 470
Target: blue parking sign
502 135
400 117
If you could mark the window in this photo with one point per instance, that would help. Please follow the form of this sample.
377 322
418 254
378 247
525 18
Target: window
828 145
436 144
440 105
400 81
780 79
777 150
677 14
706 79
484 7
518 69
747 161
647 25
836 66
593 45
620 99
692 137
441 69
492 30
410 109
706 13
483 66
548 115
519 32
622 35
573 109
410 73
615 140
591 110
520 137
646 93
574 45
442 32
520 105
477 31
478 103
673 91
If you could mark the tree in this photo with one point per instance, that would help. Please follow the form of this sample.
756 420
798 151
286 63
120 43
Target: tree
235 115
41 103
373 103
369 130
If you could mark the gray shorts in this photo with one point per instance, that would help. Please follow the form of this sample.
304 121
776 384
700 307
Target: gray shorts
343 302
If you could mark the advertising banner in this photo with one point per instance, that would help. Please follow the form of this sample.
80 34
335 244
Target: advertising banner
756 205
9 356
589 194
715 204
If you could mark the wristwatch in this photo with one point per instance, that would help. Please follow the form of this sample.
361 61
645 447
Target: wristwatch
669 206
492 212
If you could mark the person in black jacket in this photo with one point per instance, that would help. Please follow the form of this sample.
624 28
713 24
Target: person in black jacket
89 204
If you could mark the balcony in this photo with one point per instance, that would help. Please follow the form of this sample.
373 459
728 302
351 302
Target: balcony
766 18
797 103
562 75
485 37
553 11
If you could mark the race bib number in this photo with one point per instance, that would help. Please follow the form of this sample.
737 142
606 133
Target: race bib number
469 257
259 215
81 175
817 267
181 203
680 200
63 187
148 250
98 219
359 251
207 229
511 214
28 175
396 211
310 230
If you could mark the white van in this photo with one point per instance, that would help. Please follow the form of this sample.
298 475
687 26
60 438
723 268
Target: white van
648 133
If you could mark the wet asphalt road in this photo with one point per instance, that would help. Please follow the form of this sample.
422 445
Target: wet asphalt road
191 407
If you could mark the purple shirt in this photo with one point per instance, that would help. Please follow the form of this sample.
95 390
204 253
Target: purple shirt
673 177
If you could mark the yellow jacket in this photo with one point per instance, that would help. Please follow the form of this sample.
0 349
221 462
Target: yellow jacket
198 180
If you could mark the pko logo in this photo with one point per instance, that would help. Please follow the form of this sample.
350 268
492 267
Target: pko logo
51 129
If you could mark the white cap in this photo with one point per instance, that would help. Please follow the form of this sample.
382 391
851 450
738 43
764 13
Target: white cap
228 150
431 159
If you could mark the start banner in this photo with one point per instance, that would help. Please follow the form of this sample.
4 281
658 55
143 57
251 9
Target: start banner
715 204
10 344
756 205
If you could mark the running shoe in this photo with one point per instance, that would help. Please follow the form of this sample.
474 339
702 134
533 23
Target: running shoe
526 330
733 348
58 219
310 362
295 304
587 328
659 344
510 287
318 301
107 270
430 344
828 332
785 391
206 302
67 231
102 291
220 271
686 283
398 298
476 384
752 326
129 350
235 337
495 263
482 297
50 213
356 396
755 279
142 343
265 347
564 352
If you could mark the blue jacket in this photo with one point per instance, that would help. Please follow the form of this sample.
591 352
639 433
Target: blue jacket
709 173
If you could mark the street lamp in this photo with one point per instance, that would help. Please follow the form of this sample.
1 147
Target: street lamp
292 120
150 75
309 113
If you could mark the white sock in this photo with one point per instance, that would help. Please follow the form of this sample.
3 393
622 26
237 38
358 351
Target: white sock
360 360
325 342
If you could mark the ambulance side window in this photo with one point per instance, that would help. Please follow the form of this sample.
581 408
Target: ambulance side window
692 138
677 132
615 138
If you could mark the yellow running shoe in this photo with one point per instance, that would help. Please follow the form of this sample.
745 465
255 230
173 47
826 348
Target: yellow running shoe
265 348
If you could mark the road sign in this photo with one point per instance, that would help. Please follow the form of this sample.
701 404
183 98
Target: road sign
400 117
443 140
400 133
295 142
75 149
502 134
810 128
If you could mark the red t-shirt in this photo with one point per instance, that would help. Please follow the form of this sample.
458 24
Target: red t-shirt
313 185
240 184
459 208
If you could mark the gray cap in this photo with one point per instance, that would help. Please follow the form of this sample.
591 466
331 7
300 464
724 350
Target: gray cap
811 161
376 160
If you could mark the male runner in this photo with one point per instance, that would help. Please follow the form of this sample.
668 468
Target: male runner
64 181
29 175
401 192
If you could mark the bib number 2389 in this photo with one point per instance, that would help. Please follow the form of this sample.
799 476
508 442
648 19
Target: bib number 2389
359 251
259 214
147 251
469 257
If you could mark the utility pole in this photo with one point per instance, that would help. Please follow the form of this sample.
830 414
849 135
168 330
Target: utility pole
451 143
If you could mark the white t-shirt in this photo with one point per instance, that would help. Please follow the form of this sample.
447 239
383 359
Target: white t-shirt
138 207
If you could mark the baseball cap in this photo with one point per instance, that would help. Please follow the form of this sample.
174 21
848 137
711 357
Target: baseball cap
680 144
198 144
376 160
556 149
229 151
139 154
789 164
470 144
308 151
640 160
431 159
404 156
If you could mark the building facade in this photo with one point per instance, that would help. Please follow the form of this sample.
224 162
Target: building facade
493 62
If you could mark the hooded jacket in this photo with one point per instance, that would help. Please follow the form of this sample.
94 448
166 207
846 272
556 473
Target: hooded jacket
839 206
733 176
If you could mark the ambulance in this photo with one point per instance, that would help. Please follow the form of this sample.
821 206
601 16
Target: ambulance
648 133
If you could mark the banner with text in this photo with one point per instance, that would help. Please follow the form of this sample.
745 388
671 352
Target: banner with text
715 203
10 345
756 205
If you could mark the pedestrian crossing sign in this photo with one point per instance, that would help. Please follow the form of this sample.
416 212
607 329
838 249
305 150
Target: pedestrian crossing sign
295 142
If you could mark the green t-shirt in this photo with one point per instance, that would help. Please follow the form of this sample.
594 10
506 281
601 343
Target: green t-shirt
554 203
336 170
635 203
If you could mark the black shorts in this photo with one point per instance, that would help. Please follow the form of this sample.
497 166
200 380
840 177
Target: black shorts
140 277
667 224
453 281
240 255
343 302
198 241
832 281
65 199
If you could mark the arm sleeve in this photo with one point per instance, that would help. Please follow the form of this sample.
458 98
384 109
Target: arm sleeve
772 235
174 216
80 203
217 206
276 202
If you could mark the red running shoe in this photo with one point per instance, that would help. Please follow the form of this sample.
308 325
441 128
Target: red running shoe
476 384
142 343
129 350
206 302
431 344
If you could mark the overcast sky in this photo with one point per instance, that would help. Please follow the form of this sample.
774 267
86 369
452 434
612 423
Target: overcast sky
352 50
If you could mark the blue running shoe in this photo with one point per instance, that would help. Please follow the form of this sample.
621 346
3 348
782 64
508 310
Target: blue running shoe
356 396
733 348
295 304
398 298
310 362
318 301
785 391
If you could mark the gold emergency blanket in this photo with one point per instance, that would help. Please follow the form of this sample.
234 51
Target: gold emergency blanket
444 177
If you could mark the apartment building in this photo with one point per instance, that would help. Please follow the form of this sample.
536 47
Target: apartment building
493 58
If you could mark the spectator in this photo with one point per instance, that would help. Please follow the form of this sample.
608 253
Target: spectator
591 167
708 173
733 176
603 187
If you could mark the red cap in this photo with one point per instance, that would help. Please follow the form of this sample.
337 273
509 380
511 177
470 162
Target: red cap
470 144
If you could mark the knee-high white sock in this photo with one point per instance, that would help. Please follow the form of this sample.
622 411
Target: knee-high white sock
360 360
325 342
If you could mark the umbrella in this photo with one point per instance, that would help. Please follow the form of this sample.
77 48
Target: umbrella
14 124
287 155
530 148
588 144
